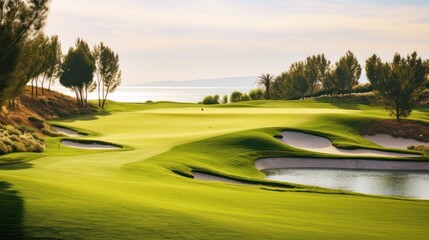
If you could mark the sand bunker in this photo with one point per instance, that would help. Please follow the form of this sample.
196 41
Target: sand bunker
89 145
323 145
290 162
213 178
67 131
386 140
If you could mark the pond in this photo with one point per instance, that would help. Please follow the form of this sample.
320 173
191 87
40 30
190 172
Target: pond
411 184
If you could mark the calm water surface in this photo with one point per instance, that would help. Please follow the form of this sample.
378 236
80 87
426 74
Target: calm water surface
174 94
412 184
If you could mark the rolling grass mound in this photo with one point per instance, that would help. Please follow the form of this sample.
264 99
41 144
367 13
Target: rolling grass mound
147 190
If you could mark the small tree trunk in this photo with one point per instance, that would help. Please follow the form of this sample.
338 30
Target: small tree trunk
86 96
99 88
105 97
398 119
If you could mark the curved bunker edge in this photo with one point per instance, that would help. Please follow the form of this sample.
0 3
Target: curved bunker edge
386 140
331 163
90 144
320 144
68 131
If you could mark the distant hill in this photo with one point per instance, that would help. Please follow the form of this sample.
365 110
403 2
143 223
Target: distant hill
238 82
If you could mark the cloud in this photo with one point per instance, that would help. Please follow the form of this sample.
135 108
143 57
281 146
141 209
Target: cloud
234 27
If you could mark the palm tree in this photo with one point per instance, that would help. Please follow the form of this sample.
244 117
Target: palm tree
265 80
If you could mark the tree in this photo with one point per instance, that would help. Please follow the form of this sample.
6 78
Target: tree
36 68
211 99
43 62
348 71
322 67
19 20
280 86
397 83
235 96
109 72
53 55
78 71
24 71
265 80
297 78
311 73
97 52
225 99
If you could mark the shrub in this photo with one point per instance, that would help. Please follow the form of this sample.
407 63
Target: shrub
4 148
51 133
235 96
225 99
24 140
245 97
420 148
36 122
211 99
363 88
24 129
256 94
13 131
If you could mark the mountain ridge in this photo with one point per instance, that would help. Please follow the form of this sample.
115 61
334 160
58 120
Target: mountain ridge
239 82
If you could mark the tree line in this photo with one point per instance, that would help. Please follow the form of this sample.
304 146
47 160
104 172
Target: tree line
27 56
81 64
397 84
315 74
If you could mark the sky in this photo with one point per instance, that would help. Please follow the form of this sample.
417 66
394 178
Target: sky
201 39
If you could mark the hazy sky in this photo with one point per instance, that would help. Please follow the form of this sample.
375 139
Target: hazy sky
192 39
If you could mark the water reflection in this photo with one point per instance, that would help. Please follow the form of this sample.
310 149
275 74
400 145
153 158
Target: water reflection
412 184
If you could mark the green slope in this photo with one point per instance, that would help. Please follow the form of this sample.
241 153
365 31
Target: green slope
132 193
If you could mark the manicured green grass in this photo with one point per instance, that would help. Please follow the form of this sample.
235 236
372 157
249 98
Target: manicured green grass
132 193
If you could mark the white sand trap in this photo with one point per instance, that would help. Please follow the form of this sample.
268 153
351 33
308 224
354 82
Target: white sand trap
213 178
67 131
290 162
386 140
89 145
323 145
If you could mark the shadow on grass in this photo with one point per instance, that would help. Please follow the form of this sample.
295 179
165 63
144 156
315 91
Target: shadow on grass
15 166
341 103
11 213
88 117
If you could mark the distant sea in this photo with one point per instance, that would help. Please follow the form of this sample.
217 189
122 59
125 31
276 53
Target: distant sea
174 94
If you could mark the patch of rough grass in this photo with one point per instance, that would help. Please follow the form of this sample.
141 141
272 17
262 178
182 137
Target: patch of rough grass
19 139
421 148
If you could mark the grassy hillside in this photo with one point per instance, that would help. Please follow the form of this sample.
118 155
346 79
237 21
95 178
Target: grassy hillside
45 106
136 193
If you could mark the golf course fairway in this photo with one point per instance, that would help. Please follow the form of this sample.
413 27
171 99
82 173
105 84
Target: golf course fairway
145 189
